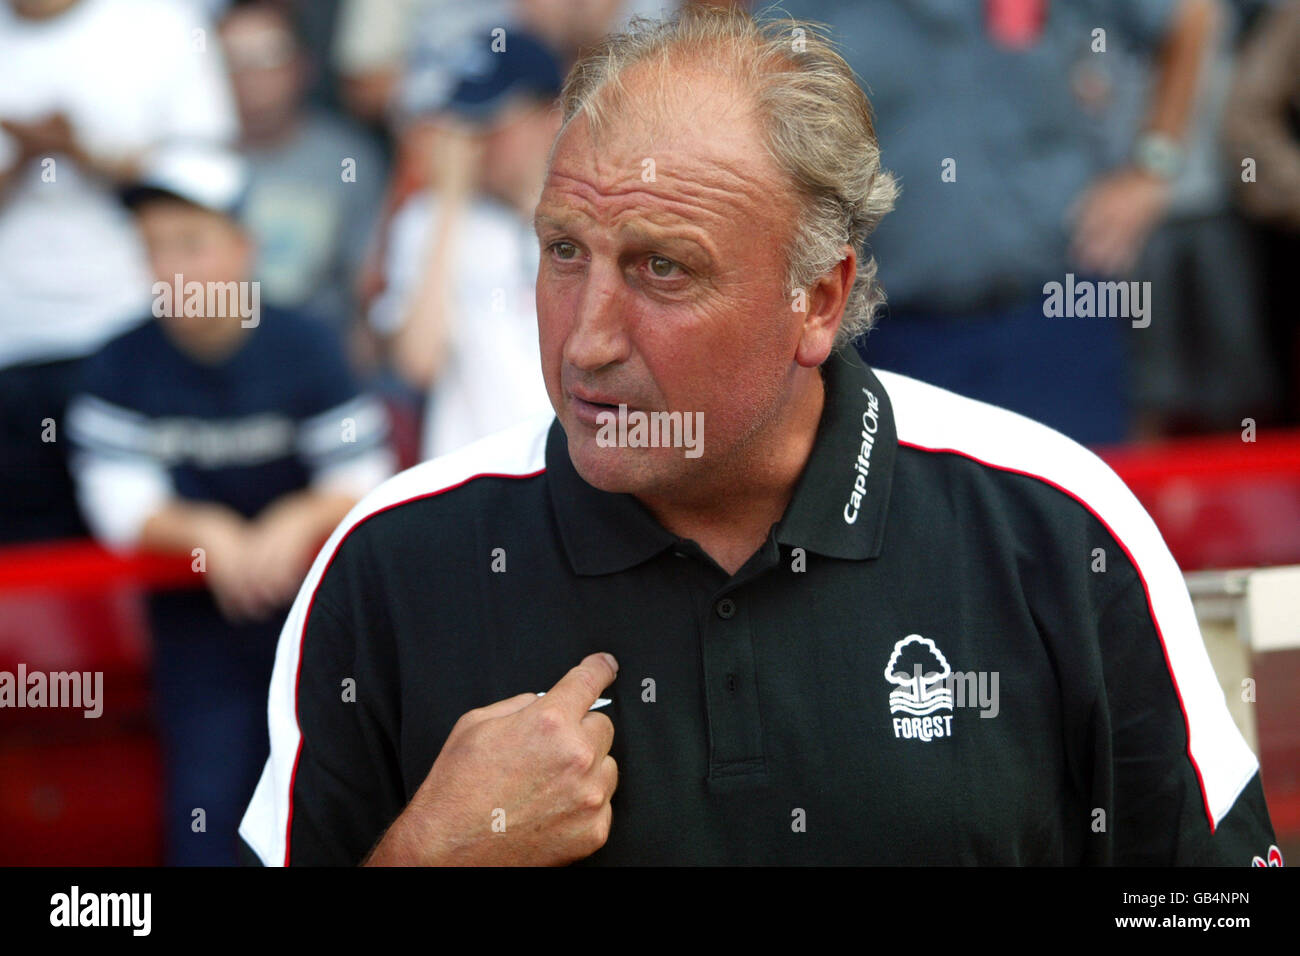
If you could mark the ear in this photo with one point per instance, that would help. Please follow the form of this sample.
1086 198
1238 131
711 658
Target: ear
825 301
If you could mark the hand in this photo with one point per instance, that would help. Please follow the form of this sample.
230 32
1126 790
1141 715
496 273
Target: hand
225 541
544 761
457 157
279 549
50 134
1114 217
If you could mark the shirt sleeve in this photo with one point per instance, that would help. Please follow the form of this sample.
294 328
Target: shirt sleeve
343 437
1178 781
120 484
331 785
346 447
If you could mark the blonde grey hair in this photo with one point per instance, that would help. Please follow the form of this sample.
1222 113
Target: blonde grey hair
816 120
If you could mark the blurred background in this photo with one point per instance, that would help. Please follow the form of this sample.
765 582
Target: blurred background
362 173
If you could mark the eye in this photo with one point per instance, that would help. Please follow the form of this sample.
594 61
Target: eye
563 244
662 267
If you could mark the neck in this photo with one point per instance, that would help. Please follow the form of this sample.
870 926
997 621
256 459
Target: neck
271 131
731 516
213 347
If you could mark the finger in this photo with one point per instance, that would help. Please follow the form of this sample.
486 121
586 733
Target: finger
1110 256
577 690
252 586
233 606
599 730
1088 229
608 775
226 607
1091 251
504 708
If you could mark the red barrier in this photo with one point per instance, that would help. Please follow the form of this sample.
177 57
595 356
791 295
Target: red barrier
83 566
76 790
1220 502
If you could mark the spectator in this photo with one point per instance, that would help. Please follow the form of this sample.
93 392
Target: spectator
316 181
399 58
374 40
1203 364
72 273
1004 189
380 42
234 436
460 305
1262 134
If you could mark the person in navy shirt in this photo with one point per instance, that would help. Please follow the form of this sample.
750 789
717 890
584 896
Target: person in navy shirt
232 434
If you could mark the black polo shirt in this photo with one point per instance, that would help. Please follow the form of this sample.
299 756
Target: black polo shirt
964 643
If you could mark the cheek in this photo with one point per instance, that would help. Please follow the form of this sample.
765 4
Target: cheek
167 260
728 360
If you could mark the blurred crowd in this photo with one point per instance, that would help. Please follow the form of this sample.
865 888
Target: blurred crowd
356 180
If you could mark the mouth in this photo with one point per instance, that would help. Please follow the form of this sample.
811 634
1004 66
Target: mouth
588 410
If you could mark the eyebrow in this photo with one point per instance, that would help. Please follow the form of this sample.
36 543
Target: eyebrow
540 219
636 233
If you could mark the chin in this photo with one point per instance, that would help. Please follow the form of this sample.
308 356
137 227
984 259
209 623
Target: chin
631 471
608 469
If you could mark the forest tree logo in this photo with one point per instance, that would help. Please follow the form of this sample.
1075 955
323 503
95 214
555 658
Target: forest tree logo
922 674
921 671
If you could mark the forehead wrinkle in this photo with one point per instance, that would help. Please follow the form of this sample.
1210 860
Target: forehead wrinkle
663 221
695 200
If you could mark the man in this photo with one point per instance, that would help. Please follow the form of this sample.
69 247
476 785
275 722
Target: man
459 304
786 614
315 184
72 272
231 434
989 113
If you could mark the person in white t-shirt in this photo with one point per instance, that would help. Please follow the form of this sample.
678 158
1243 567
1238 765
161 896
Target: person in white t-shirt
459 307
87 87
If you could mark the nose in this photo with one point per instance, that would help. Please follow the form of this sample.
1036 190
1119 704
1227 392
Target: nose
599 336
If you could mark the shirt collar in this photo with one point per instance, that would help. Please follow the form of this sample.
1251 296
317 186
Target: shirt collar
602 532
842 498
838 508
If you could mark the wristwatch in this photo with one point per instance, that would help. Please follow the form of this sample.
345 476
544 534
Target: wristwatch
1159 155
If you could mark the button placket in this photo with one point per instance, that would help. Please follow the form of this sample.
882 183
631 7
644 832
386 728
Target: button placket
736 744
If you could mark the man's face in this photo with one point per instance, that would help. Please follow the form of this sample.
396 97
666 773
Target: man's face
266 70
40 9
515 145
200 246
661 287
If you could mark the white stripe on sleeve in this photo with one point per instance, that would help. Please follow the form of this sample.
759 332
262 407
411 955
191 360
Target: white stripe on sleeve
519 451
933 419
